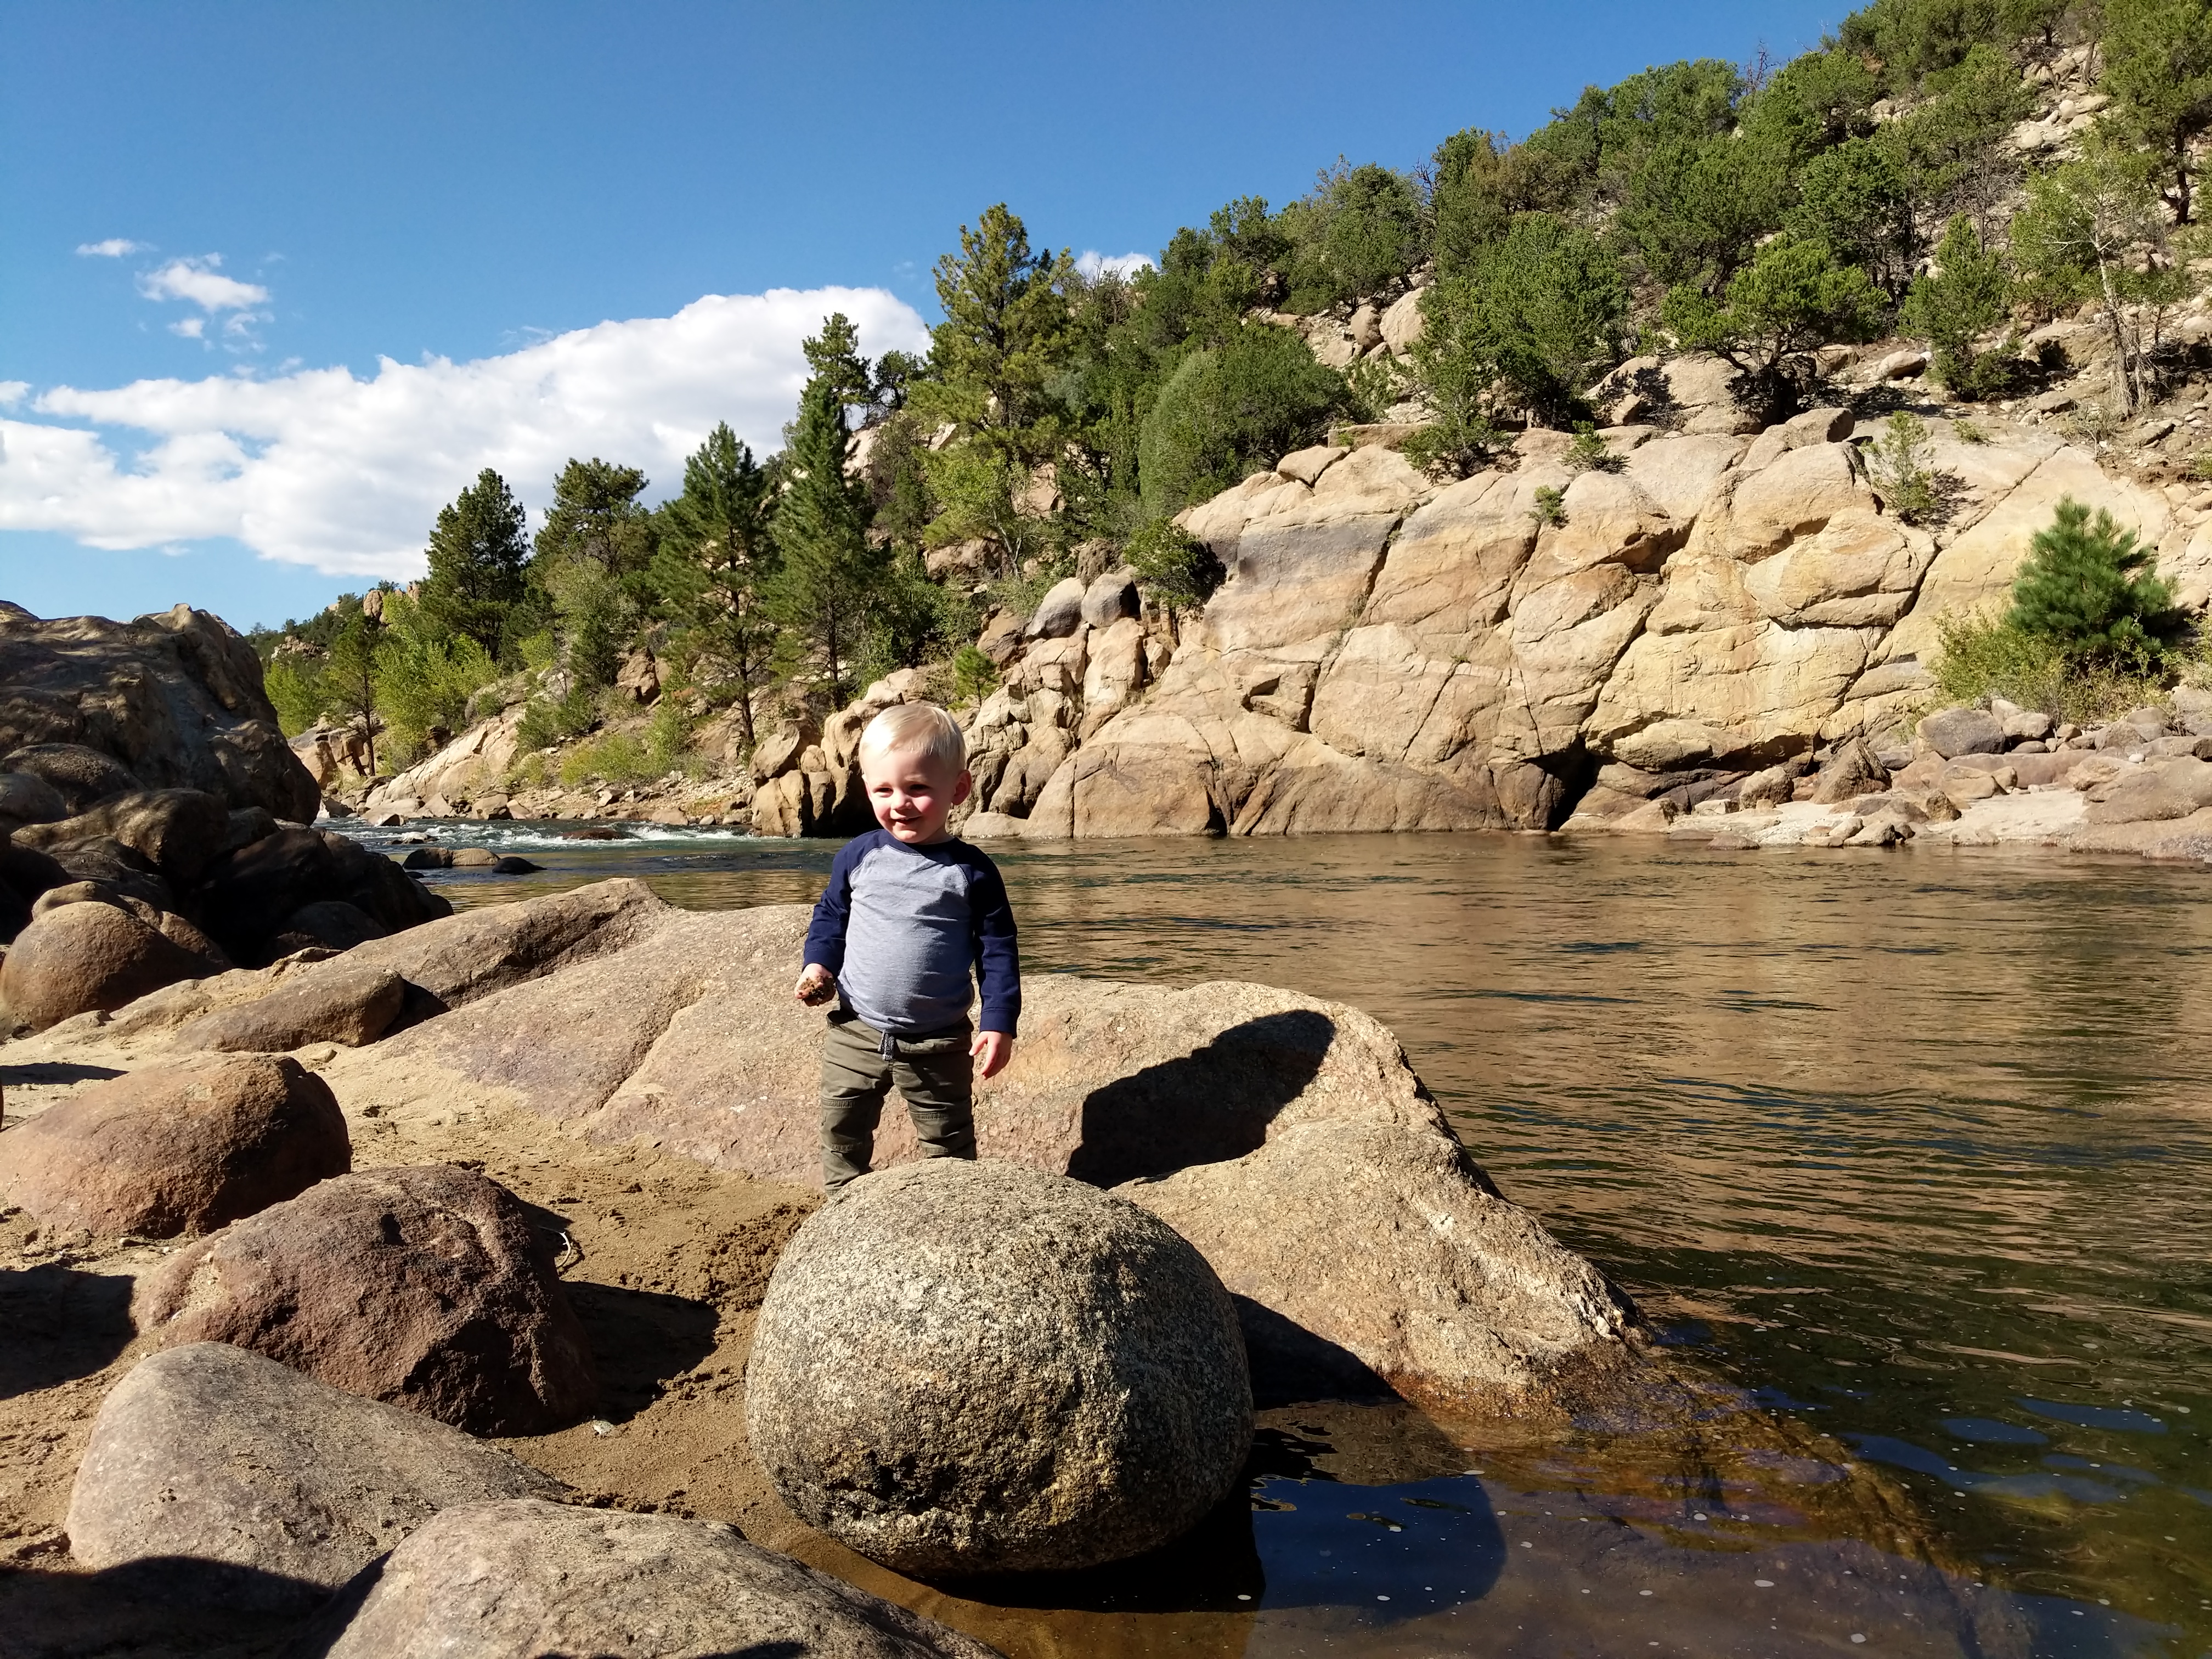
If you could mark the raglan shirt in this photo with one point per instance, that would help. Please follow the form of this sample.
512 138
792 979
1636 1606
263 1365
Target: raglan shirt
901 926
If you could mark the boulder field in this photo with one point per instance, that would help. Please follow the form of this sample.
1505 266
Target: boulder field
1286 1138
154 826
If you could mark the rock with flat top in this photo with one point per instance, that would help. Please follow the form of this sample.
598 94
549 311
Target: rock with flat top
1068 1386
427 1287
1111 597
344 1002
505 1580
209 1456
179 831
1952 733
184 1146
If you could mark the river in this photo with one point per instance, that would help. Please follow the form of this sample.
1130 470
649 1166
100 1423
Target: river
1912 1148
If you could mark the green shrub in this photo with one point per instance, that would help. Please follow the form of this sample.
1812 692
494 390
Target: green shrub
548 721
1176 568
1898 463
1590 453
2090 588
1982 656
975 676
668 740
1228 412
1967 294
2201 468
1550 508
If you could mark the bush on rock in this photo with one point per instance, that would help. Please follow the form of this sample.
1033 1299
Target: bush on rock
968 1368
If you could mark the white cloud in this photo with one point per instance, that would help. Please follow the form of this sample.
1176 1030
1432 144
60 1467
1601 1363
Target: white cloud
1092 262
114 248
200 282
13 392
190 328
319 468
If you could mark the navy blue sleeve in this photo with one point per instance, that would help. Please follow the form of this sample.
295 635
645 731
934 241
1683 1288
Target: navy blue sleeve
998 961
826 934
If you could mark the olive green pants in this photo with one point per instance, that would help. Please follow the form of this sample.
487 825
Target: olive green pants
934 1076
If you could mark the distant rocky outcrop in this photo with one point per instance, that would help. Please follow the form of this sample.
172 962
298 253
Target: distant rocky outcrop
174 699
154 824
1390 652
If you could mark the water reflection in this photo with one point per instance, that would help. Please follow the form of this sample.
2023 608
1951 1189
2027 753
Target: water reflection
1912 1145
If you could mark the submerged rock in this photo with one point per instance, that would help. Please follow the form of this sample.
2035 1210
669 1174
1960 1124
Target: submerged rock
497 1580
208 1453
184 1146
427 1287
968 1368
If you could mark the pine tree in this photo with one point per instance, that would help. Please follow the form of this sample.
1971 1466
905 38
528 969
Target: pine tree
479 549
350 678
593 554
717 559
2088 586
830 572
1968 294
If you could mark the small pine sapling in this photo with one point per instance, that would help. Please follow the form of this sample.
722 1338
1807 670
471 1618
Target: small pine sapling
2089 586
1550 509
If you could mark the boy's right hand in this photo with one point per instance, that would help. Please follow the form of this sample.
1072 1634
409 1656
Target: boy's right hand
816 986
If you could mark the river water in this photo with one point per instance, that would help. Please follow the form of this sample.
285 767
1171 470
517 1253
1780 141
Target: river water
1912 1149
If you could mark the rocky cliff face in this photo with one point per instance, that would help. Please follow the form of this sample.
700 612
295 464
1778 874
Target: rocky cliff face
1391 654
175 696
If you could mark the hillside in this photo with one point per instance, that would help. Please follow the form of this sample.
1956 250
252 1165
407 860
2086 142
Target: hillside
1979 215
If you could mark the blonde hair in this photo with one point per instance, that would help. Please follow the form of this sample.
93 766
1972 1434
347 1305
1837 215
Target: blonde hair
923 728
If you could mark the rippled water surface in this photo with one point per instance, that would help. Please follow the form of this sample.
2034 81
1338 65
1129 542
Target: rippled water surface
1910 1147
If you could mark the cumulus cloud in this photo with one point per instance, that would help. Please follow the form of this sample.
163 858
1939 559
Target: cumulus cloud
202 281
1093 264
321 468
115 247
190 328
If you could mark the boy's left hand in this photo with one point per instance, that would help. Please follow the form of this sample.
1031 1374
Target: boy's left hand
994 1049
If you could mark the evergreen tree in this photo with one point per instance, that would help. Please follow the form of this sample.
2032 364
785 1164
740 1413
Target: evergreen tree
831 574
1795 295
716 560
833 357
1968 294
479 551
1003 339
593 556
2158 60
2091 589
349 678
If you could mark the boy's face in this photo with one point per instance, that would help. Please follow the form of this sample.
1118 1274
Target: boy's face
911 794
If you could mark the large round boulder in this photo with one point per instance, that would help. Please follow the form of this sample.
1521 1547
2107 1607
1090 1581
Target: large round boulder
177 831
253 1485
351 1003
82 957
1952 733
427 1287
490 1581
968 1368
184 1146
27 798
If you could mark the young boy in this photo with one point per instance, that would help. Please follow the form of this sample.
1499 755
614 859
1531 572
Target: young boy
909 911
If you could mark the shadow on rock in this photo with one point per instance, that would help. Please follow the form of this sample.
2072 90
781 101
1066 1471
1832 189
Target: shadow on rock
1291 1364
640 1340
53 1074
1205 1107
62 1324
161 1606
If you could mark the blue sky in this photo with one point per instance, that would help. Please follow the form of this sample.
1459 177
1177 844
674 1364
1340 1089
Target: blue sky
309 190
